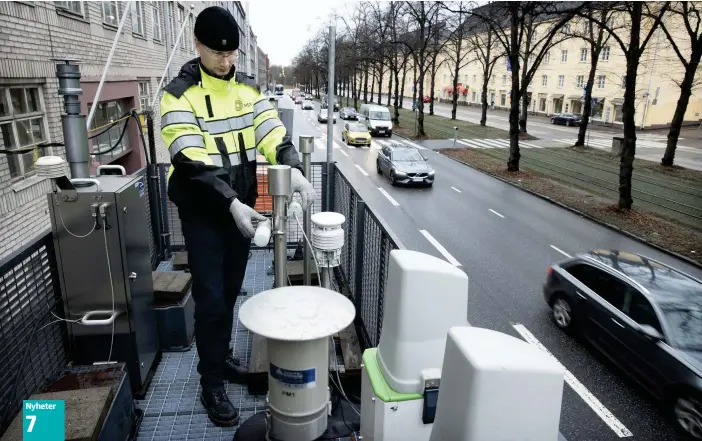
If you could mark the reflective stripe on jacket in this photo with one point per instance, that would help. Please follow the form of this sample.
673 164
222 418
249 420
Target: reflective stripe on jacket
213 129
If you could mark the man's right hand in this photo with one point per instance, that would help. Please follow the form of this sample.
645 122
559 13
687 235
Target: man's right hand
243 216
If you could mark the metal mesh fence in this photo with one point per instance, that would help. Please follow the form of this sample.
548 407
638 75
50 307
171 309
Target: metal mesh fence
32 342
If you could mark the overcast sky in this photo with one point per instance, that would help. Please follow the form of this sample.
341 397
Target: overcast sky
283 26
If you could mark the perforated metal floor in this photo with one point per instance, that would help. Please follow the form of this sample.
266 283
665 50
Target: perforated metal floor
172 409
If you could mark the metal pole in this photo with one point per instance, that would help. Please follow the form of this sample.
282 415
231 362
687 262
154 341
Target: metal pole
326 277
330 104
75 131
152 176
279 187
170 59
306 144
96 99
455 132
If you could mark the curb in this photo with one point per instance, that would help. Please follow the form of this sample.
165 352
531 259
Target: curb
585 215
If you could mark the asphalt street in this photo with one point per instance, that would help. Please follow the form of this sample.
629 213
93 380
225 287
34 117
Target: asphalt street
650 144
505 239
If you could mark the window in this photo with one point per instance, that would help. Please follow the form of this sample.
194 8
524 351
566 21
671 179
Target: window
474 79
580 81
144 94
473 99
156 9
173 18
601 81
544 80
504 80
107 113
180 18
23 125
137 10
566 29
72 7
503 99
564 55
190 32
542 104
110 13
566 107
601 283
605 53
547 57
583 54
561 80
640 310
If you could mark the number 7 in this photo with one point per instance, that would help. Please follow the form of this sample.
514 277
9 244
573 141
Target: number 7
33 419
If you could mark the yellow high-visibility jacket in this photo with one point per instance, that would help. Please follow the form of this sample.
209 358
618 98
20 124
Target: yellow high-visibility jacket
213 128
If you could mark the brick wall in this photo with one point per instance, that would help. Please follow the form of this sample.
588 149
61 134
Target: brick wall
31 34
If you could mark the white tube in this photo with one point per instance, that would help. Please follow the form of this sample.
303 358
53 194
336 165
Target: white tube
263 233
96 99
170 59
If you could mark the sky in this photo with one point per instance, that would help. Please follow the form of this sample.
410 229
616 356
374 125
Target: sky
282 27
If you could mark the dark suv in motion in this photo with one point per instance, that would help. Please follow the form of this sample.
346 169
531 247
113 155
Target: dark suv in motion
645 316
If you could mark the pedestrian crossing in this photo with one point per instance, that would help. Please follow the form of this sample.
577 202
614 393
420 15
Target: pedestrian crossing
606 143
495 144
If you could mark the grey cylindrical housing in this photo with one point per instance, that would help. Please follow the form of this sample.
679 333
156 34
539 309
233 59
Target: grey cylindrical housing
306 144
75 138
279 180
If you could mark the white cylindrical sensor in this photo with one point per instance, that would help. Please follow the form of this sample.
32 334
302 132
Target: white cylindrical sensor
263 233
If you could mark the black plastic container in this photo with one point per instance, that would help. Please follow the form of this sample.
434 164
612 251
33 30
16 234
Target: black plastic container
176 323
123 417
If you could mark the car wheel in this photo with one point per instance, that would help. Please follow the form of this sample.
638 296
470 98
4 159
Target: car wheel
377 168
687 411
562 312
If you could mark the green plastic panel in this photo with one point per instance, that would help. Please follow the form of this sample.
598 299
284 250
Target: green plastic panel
381 388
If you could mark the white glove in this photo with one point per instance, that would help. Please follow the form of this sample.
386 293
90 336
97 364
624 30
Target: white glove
302 186
243 216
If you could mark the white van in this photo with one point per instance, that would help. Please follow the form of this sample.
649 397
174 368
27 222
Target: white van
376 119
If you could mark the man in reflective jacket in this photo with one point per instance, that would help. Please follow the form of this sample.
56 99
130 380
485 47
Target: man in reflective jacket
213 124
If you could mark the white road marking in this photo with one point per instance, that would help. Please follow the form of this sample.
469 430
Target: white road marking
475 144
320 145
578 387
452 260
495 213
382 143
344 153
360 169
413 144
390 198
455 189
561 251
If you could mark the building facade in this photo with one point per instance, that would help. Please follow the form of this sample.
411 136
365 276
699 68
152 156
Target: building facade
237 9
559 82
32 33
262 62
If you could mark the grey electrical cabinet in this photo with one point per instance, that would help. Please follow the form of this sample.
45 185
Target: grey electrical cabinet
104 266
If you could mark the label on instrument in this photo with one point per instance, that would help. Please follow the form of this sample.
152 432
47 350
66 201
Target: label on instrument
294 379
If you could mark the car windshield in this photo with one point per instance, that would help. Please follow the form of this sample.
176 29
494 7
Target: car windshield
379 115
685 326
349 110
323 112
357 128
406 155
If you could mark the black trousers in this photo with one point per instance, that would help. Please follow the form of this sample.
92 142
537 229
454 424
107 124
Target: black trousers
217 256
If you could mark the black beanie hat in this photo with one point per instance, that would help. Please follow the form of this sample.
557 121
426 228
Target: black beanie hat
216 28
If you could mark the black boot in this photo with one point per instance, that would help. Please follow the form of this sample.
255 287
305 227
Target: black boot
220 410
234 371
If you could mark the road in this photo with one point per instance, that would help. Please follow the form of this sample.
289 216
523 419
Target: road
650 144
505 239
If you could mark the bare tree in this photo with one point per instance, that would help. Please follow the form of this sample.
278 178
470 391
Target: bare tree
632 15
515 26
597 38
456 54
687 14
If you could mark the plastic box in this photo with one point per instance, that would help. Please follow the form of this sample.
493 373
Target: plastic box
176 324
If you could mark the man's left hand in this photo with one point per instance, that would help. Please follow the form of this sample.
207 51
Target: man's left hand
301 185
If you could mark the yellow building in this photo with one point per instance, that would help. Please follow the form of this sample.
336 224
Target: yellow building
558 85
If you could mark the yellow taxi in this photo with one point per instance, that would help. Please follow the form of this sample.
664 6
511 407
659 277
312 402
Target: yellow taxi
356 134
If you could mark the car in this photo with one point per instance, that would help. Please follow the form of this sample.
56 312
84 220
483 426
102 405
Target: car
643 315
336 103
356 134
307 105
308 96
348 113
298 99
427 99
323 116
567 119
404 165
377 119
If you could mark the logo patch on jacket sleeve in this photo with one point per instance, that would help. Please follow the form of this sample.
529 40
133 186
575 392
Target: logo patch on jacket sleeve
238 105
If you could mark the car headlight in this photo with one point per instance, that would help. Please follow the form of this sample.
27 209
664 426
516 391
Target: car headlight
431 173
400 173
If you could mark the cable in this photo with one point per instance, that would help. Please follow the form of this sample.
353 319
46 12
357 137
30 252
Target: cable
149 159
319 274
111 124
112 286
119 141
78 236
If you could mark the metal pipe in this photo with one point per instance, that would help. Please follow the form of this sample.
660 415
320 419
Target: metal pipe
306 146
167 21
96 99
173 51
330 103
75 131
279 187
326 277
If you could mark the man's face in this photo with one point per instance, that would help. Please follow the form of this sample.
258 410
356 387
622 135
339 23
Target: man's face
217 62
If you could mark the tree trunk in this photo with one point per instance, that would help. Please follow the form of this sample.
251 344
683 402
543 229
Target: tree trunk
454 97
389 87
514 155
372 93
365 84
420 101
486 77
433 84
681 108
524 99
356 90
380 85
402 87
397 100
587 105
414 82
626 165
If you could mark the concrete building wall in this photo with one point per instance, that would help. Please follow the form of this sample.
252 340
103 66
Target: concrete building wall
31 34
